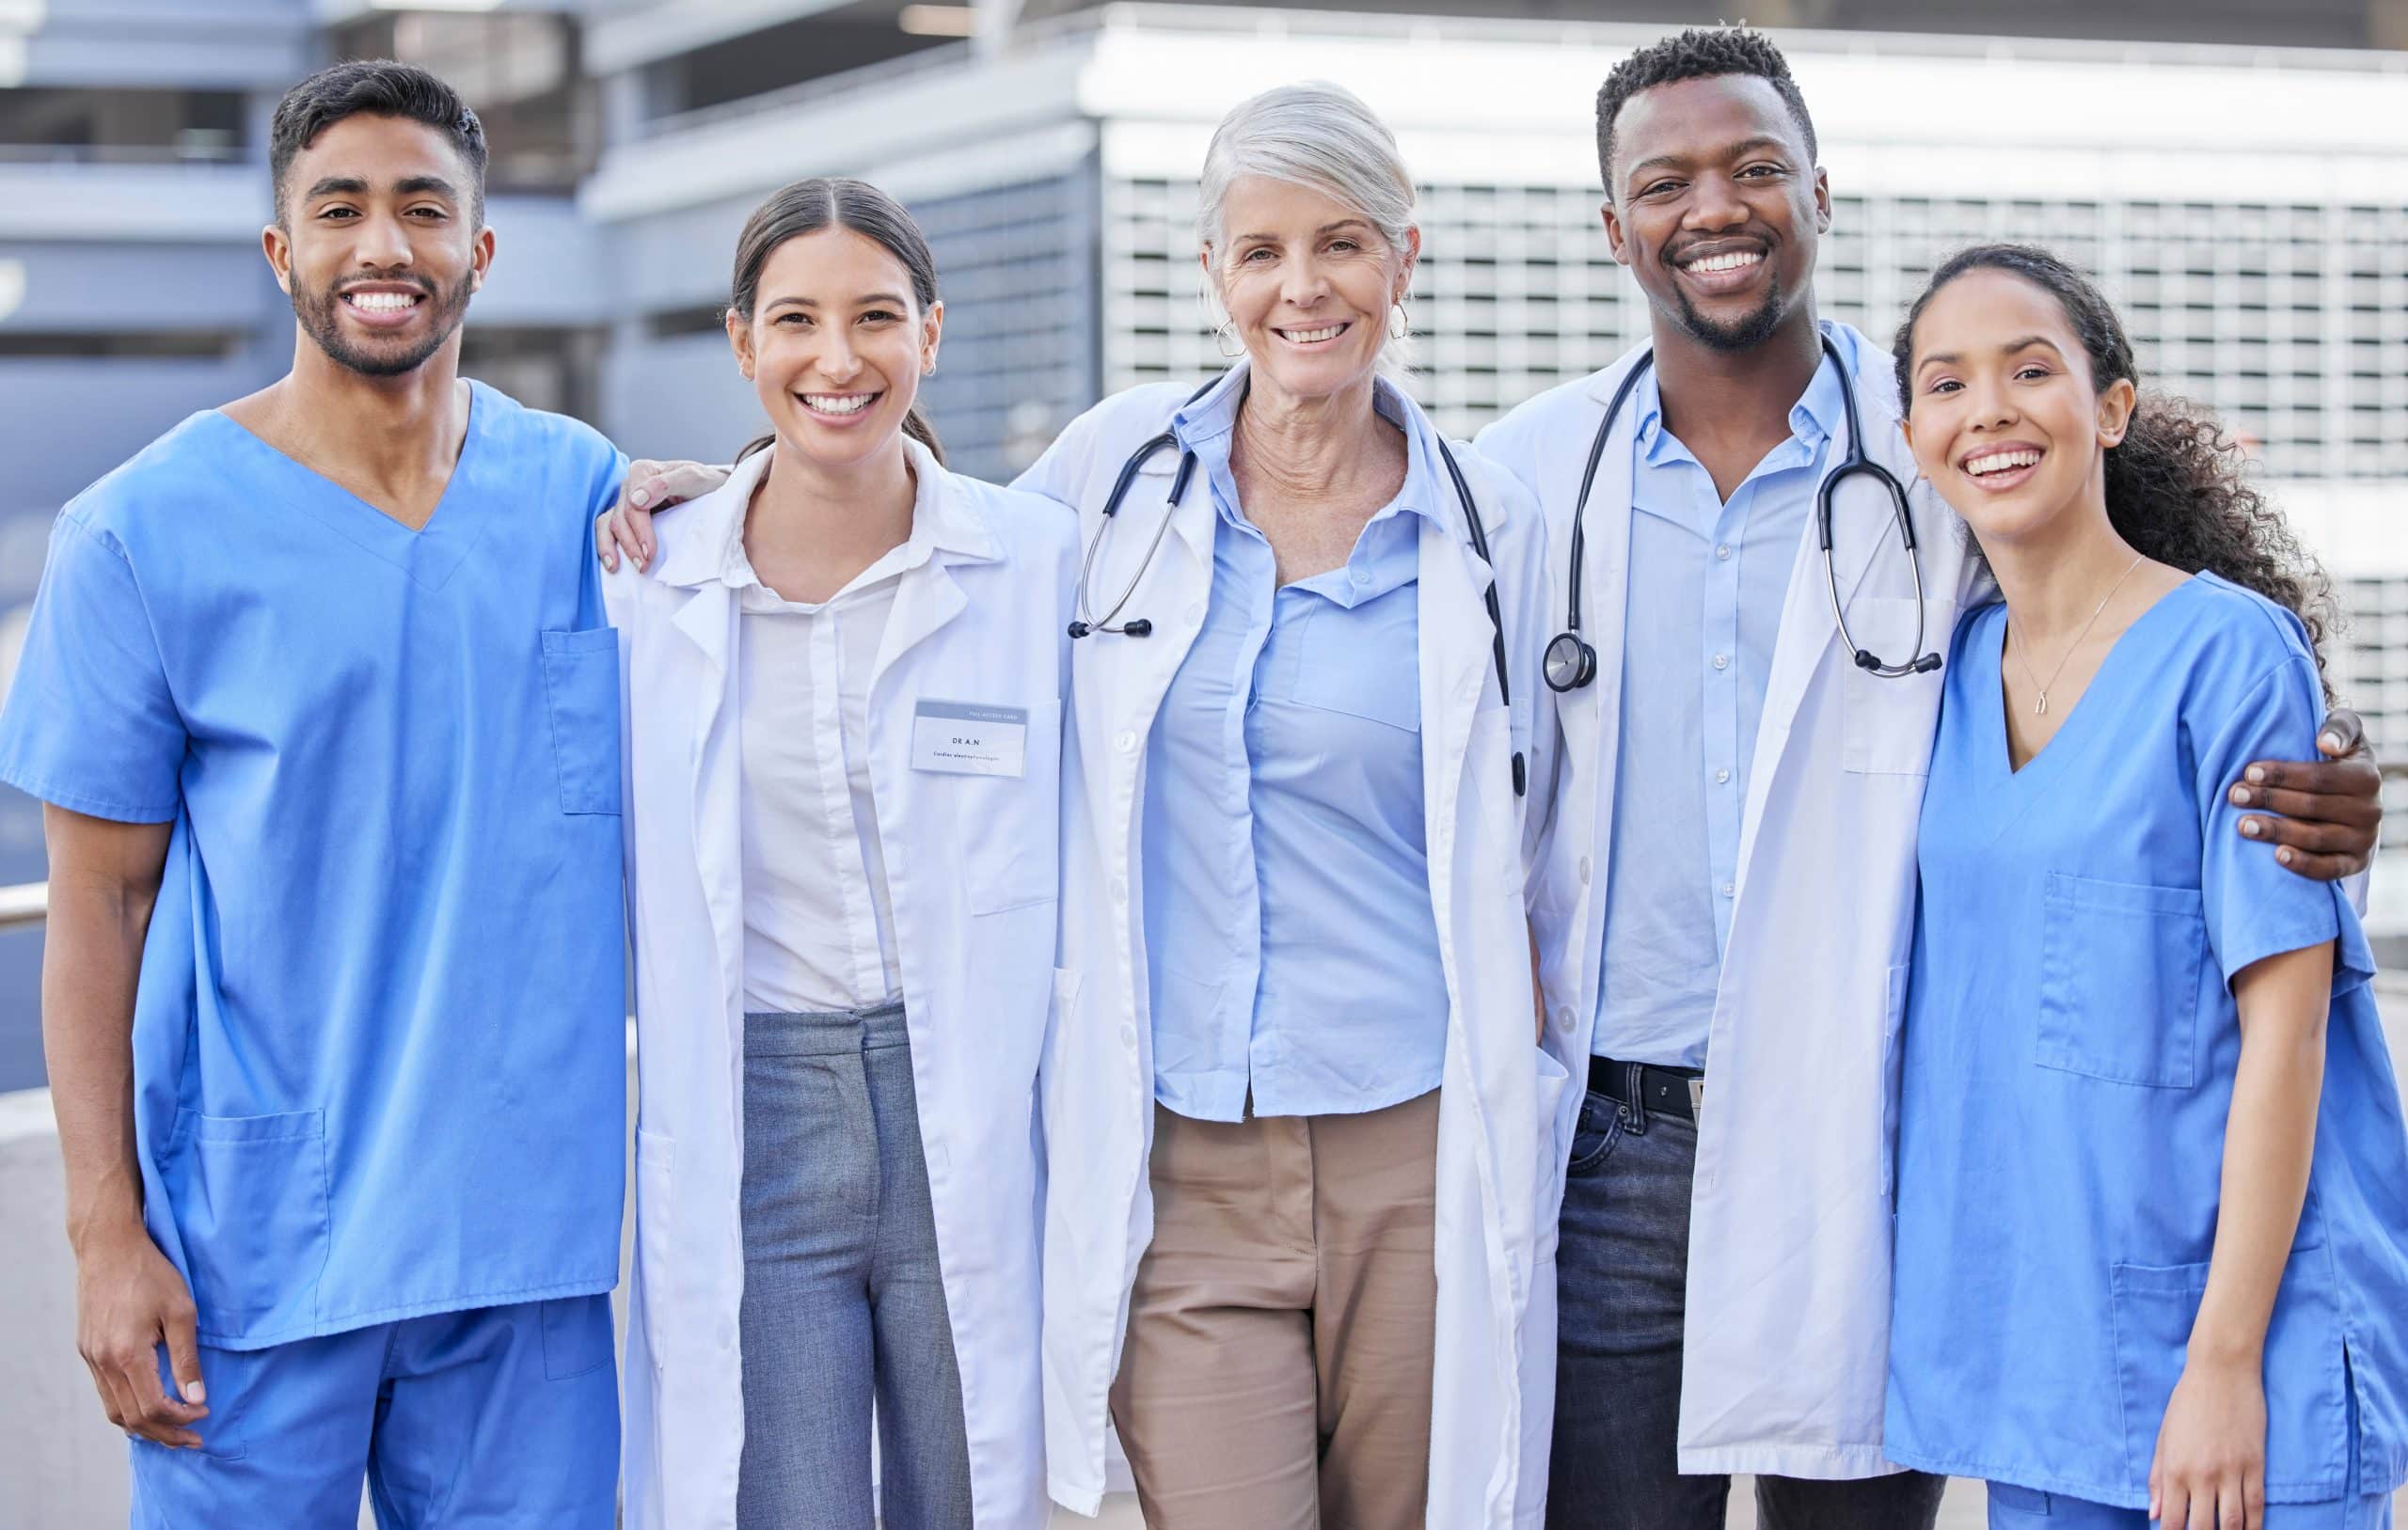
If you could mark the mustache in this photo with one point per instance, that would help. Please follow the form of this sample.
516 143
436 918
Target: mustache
396 278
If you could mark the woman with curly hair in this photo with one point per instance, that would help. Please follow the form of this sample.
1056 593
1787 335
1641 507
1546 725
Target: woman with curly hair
2152 1214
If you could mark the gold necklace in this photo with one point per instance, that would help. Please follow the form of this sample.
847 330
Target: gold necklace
2015 635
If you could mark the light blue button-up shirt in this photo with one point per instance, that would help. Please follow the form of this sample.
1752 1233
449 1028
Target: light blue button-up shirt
1294 946
1707 580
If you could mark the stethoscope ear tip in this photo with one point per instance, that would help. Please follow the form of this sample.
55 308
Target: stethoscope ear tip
1080 629
1926 664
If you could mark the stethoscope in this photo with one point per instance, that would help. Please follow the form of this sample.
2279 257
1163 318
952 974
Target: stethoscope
1572 660
1139 626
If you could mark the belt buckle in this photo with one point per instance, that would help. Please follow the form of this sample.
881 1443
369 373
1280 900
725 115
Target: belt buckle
1697 1098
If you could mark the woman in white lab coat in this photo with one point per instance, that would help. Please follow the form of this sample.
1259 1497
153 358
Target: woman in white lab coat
1298 1124
843 673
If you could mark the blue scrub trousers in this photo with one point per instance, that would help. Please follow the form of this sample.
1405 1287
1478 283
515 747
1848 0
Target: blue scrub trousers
495 1418
2026 1509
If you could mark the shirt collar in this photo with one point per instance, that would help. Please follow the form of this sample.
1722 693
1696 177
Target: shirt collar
942 520
1206 424
1812 419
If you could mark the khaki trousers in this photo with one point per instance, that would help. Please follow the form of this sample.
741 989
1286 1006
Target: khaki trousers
1277 1374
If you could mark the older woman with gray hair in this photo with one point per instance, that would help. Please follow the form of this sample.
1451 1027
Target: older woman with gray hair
1296 1121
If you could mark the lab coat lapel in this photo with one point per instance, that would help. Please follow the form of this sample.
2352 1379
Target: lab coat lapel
1863 521
1456 653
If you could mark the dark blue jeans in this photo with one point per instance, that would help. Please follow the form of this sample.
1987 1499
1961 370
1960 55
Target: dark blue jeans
1621 1282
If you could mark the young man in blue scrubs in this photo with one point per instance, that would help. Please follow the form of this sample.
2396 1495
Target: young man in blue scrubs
1731 860
320 700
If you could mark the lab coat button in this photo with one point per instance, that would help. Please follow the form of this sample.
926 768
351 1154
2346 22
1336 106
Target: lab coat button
725 1337
1584 871
1121 889
1124 740
1127 1035
1195 611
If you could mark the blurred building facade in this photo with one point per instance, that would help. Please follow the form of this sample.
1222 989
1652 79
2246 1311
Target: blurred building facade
2237 173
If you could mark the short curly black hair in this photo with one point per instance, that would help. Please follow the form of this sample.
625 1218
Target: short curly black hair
373 88
1701 53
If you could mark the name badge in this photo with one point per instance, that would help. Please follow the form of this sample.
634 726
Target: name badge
959 738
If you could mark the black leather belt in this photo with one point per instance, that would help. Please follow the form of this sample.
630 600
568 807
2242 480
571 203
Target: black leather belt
1659 1091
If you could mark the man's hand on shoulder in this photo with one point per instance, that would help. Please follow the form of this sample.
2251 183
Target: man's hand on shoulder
2322 815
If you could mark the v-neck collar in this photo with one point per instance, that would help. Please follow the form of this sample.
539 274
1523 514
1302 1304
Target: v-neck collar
2002 754
428 555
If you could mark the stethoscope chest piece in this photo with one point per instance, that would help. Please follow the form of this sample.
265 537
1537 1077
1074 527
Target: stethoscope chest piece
1571 662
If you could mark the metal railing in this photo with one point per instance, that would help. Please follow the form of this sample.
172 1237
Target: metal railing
21 907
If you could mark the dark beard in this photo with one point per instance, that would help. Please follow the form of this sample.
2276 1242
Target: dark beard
1745 335
317 311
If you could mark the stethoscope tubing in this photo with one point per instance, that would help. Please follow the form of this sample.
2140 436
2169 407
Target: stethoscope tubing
1087 624
1572 661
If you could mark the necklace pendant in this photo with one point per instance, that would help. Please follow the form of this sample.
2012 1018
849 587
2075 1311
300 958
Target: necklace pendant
2041 706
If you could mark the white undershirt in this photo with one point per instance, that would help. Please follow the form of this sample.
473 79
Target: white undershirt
818 924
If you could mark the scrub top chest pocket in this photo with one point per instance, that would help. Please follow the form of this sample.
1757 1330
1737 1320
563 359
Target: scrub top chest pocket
997 768
581 692
2120 965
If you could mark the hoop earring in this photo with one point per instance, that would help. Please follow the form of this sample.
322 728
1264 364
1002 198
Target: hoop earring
1400 323
1226 335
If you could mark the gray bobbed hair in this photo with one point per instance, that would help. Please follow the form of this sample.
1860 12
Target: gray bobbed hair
1314 135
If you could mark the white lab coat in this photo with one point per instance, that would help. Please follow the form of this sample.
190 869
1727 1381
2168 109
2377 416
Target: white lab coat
1494 1346
971 864
1788 1314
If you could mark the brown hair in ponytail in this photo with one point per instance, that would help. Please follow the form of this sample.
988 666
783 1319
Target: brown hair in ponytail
2176 490
807 207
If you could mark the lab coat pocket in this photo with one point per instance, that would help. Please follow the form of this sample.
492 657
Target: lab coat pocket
1893 1059
2307 1423
582 688
1888 722
1006 826
249 1198
655 1239
2119 981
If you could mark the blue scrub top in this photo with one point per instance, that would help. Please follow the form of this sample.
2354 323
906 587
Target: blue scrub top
379 1036
1288 910
2069 1052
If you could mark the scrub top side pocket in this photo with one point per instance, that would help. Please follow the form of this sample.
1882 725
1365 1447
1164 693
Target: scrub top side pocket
249 1198
581 689
2307 1420
2119 981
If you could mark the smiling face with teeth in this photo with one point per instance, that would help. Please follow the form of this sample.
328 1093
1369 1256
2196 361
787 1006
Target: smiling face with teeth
2002 412
836 345
1716 205
380 245
1307 282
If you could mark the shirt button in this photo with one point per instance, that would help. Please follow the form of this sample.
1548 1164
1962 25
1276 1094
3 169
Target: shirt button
1584 871
1729 889
1721 661
1125 740
1723 777
1360 576
1722 553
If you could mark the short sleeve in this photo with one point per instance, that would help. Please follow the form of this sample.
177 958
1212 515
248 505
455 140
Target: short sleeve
90 723
2257 908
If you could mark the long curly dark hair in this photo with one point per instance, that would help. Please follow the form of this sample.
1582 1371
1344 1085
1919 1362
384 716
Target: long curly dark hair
2177 486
